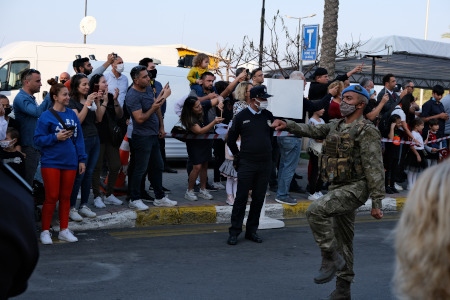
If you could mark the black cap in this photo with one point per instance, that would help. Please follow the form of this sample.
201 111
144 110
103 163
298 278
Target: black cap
259 91
319 72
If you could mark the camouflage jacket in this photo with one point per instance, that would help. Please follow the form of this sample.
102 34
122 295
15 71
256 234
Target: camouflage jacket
367 151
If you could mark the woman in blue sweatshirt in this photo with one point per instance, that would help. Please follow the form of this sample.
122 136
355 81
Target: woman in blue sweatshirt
62 156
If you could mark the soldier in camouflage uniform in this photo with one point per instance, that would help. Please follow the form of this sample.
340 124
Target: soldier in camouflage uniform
351 161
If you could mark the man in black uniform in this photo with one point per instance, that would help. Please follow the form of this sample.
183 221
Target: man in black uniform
19 250
253 162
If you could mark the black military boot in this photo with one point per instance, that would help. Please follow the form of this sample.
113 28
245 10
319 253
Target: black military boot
331 262
342 291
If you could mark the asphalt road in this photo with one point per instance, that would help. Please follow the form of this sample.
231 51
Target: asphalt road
194 262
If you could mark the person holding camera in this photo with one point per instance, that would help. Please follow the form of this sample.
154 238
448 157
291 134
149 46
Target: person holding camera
87 108
62 157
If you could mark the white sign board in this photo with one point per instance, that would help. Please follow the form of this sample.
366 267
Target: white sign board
287 100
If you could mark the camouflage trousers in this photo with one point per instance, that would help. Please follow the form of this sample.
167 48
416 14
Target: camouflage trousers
332 221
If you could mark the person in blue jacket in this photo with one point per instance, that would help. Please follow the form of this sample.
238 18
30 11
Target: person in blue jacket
62 156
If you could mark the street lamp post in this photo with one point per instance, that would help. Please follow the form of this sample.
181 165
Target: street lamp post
300 38
85 14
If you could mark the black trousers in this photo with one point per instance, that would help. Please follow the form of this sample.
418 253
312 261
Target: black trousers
252 175
219 157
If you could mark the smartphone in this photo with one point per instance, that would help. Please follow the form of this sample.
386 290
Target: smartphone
115 55
70 127
167 84
96 87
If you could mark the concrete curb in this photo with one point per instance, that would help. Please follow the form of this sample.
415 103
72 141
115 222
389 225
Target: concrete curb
207 214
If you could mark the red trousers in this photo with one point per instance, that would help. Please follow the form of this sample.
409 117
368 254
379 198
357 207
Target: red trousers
58 185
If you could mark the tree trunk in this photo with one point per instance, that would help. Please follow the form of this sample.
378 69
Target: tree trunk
329 36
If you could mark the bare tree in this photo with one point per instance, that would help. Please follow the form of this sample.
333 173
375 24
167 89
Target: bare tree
282 51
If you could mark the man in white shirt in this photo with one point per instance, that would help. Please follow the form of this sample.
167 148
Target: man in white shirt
115 79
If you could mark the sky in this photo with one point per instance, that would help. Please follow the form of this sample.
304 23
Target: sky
206 25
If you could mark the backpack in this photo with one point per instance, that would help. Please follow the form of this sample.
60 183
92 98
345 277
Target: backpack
383 124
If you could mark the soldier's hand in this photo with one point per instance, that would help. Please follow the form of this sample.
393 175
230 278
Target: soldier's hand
376 213
278 124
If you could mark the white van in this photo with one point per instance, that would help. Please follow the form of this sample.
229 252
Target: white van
51 59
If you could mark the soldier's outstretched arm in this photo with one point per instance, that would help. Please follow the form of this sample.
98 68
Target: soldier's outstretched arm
318 132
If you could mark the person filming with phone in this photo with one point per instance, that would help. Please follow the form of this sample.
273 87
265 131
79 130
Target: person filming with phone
62 157
143 107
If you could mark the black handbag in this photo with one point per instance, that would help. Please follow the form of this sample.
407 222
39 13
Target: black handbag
178 128
116 132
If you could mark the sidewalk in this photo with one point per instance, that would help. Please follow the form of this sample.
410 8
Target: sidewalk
204 211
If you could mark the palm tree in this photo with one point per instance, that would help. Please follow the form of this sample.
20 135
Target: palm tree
329 36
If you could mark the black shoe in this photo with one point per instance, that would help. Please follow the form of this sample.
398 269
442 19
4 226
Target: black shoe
232 240
394 190
253 237
211 188
296 189
298 176
170 170
146 197
388 190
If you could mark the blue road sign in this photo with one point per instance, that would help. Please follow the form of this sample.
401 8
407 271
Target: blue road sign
310 42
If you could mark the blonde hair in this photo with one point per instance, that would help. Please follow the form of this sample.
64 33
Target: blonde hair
340 85
198 59
422 238
241 89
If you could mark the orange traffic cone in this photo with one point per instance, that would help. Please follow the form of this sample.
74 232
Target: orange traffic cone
124 152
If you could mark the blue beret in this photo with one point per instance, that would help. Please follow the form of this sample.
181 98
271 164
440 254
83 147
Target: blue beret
357 89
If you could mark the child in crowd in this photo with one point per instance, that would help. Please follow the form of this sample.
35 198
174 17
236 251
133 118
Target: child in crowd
199 66
199 150
314 149
432 148
227 170
416 161
10 152
392 152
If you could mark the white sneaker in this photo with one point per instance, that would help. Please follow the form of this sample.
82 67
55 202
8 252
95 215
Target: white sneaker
86 212
204 193
111 199
190 195
218 185
164 202
313 197
46 237
98 202
137 204
318 194
67 235
74 215
398 187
